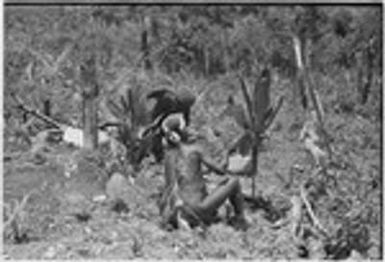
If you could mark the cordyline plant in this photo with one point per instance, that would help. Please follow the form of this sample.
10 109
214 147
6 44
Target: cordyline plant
132 114
255 119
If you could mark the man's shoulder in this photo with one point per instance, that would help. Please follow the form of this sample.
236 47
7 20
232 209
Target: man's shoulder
193 148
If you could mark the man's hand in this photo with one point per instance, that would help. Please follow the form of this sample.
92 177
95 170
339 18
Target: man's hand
208 162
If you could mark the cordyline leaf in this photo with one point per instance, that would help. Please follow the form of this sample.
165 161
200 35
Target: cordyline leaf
261 99
272 113
115 109
142 111
237 112
139 110
125 103
243 147
131 107
248 101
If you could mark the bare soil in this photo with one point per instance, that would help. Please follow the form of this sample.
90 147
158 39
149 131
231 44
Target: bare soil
63 218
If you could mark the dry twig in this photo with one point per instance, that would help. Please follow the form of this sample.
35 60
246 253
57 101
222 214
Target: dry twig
315 221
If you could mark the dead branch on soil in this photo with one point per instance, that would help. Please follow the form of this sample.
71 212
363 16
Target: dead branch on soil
315 221
21 105
294 218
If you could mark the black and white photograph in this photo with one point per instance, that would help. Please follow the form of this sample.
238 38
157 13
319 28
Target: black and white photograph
192 130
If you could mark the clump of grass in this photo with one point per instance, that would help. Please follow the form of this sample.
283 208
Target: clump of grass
15 227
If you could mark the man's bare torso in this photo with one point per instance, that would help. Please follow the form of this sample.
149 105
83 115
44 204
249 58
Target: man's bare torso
184 165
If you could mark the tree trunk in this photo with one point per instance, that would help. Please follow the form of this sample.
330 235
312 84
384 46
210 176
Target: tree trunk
90 93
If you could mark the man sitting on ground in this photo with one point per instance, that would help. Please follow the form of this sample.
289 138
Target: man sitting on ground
186 193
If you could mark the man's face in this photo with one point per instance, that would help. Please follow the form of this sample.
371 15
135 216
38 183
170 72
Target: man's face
173 137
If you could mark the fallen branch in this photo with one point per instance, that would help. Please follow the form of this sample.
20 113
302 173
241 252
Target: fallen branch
71 135
315 221
294 218
21 105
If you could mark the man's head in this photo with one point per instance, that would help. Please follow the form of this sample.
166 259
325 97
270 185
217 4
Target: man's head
174 129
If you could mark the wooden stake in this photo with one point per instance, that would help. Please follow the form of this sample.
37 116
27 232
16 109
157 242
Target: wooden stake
90 93
90 127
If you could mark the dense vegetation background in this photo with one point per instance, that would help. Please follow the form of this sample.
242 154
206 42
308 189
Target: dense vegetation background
203 47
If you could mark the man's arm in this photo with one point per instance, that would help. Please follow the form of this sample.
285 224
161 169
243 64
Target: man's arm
211 164
221 170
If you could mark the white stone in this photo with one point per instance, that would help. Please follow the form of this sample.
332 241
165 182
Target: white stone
116 186
99 198
74 136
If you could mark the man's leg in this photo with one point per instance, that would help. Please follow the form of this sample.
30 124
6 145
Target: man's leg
228 189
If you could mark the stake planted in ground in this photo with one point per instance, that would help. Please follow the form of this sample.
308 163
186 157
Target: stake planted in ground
90 110
259 115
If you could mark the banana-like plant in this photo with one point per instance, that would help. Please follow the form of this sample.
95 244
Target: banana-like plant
255 119
130 108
